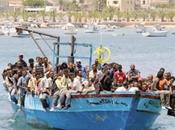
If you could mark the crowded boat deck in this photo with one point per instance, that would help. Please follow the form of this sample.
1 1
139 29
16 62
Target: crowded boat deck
40 78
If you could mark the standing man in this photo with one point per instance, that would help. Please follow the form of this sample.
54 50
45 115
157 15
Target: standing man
20 61
22 84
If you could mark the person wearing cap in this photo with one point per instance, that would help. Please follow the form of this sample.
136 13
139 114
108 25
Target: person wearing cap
20 61
78 65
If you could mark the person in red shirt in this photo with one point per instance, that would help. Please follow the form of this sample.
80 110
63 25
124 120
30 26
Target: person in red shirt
119 76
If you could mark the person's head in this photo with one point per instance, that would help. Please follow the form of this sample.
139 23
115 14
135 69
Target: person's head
120 68
71 65
71 76
34 74
59 75
132 67
162 70
115 66
24 72
86 68
38 76
9 66
78 73
78 64
96 62
21 57
167 75
66 72
106 71
64 65
40 60
78 61
31 61
160 74
9 72
149 78
52 74
94 68
135 84
48 75
105 67
45 59
37 58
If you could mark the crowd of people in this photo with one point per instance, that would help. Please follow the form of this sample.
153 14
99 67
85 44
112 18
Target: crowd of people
40 78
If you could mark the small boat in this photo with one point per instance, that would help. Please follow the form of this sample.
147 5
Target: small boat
8 30
21 35
68 26
93 29
71 31
140 28
110 29
1 32
117 111
156 32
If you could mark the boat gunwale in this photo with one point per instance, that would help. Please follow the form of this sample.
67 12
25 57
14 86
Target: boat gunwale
142 95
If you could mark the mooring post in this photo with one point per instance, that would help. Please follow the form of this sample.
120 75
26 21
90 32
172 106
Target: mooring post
58 50
71 58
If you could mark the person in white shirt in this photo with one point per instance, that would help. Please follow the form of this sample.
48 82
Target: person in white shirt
74 87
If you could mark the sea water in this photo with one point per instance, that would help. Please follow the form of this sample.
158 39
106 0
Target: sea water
127 47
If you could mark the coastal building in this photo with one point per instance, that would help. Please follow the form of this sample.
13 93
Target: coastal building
15 4
172 1
87 5
152 3
3 4
127 5
122 5
157 2
113 3
145 4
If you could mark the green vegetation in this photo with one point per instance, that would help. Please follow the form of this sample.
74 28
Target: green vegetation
163 13
34 3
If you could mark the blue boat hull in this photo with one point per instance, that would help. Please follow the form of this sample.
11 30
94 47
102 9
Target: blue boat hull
91 120
96 113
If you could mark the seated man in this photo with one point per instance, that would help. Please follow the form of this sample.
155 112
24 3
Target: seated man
133 75
119 77
73 87
106 81
62 82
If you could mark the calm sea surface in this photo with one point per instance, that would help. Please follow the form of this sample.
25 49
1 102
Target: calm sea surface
127 47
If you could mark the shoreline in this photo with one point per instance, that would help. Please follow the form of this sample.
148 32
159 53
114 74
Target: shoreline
81 24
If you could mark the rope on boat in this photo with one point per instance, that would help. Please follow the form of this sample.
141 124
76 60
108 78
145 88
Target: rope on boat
46 42
37 45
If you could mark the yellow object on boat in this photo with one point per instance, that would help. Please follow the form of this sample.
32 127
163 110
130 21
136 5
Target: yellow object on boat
103 54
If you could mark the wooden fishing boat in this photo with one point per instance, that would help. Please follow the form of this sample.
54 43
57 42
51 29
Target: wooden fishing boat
117 111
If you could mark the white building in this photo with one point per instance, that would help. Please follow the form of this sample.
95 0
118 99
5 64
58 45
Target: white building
123 5
145 3
113 3
3 4
156 2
